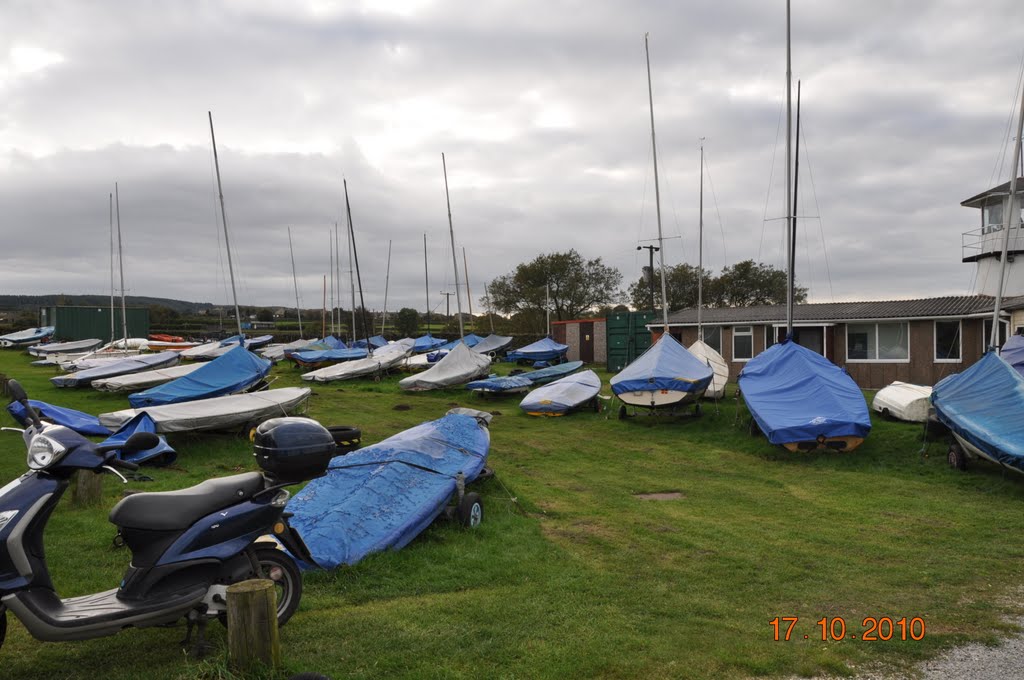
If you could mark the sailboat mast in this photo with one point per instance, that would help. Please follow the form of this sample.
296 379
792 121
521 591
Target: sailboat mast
657 190
789 180
295 282
337 270
330 266
352 284
224 220
547 309
469 295
387 281
451 231
1012 216
490 313
355 256
111 200
323 311
796 185
120 262
700 251
426 281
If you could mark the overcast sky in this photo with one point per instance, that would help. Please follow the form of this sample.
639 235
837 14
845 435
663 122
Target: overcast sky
541 110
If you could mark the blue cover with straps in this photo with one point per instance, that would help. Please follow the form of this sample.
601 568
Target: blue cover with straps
232 372
82 423
544 349
666 365
797 395
983 404
376 342
326 356
161 454
1013 352
528 379
427 342
381 497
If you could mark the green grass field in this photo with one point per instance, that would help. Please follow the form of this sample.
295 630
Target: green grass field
572 574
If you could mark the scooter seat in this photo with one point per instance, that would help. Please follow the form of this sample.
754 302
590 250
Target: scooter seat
172 510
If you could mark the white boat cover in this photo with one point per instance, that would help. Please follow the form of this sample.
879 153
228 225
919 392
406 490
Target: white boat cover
903 401
139 381
199 350
382 359
457 367
215 414
65 347
563 395
707 354
276 351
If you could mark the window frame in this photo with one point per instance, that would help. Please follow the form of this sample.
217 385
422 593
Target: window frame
717 328
749 334
876 324
959 338
1005 332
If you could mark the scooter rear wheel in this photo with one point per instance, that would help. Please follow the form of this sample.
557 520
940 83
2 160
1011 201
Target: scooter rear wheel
279 567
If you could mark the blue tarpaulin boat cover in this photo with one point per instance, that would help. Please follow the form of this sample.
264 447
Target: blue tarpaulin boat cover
82 423
666 365
983 404
544 349
161 454
427 342
381 497
1013 352
797 395
229 373
375 342
563 395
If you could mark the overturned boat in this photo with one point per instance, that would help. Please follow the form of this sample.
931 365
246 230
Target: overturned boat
903 401
145 379
493 344
521 382
710 356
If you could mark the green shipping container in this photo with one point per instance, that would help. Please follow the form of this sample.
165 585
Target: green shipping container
81 323
628 338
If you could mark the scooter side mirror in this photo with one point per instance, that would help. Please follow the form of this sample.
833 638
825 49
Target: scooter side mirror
140 441
16 391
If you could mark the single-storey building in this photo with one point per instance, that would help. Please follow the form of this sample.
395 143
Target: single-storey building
586 338
916 341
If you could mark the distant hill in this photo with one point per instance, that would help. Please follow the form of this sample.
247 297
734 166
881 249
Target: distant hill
34 302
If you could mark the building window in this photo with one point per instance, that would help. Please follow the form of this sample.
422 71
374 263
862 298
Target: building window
878 342
947 341
713 337
993 220
1004 327
742 343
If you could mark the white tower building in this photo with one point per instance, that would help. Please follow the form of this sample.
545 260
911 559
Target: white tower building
984 245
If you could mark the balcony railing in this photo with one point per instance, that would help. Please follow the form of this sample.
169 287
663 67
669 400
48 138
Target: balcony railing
988 241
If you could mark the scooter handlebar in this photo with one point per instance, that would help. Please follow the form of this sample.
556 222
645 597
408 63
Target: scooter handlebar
123 464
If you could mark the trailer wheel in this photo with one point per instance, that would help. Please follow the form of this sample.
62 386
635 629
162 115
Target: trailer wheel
622 412
698 410
470 511
956 457
755 429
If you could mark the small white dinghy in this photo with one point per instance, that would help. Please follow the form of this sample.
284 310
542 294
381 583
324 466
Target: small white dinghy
903 401
561 396
708 354
218 413
134 382
382 359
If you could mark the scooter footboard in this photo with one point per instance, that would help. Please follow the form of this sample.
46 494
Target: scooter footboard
51 619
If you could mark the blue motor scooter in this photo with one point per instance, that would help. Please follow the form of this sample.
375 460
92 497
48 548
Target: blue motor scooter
187 546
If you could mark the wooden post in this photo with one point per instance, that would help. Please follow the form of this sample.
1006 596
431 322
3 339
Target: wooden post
252 625
87 491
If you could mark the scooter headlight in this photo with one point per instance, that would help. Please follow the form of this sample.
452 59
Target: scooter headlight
43 451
